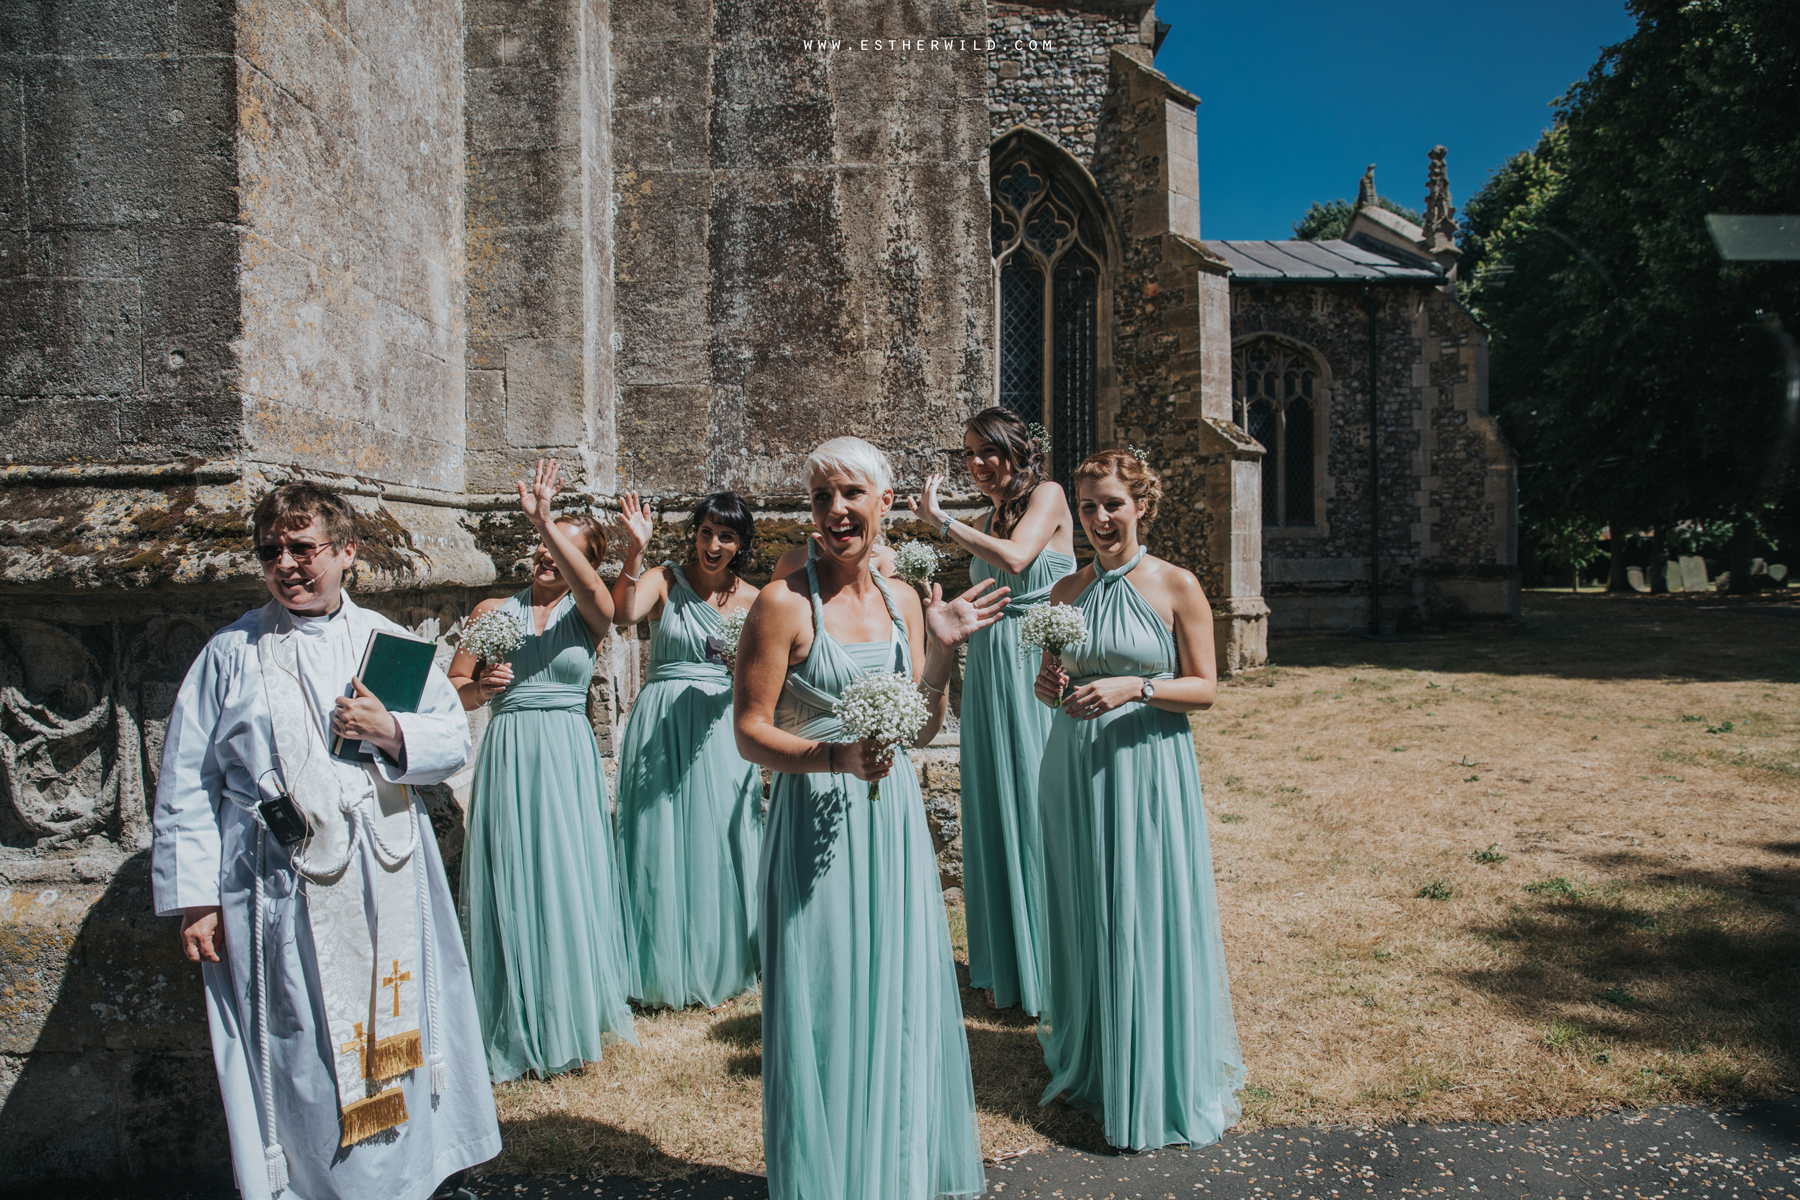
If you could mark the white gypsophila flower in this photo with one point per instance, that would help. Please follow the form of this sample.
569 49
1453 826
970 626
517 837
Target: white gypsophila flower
883 706
492 637
916 562
731 631
1052 627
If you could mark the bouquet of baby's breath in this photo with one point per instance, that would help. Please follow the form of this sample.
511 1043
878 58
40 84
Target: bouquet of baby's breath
916 562
884 706
492 637
724 644
1052 627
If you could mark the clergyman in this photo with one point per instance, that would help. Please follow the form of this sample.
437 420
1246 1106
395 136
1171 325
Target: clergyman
311 892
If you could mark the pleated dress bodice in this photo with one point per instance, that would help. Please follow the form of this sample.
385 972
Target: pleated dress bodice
678 638
551 669
690 819
1003 733
866 1086
1126 636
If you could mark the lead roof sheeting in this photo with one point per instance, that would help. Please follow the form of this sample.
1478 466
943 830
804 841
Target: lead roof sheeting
1324 260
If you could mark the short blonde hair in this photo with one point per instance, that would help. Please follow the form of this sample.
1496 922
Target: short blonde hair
850 456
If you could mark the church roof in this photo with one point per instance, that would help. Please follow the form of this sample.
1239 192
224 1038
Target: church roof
1304 261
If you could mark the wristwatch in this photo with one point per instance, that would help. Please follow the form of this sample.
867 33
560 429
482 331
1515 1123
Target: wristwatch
944 529
1149 689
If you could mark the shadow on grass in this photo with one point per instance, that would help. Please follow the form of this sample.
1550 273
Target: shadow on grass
562 1142
1701 966
744 1032
1596 637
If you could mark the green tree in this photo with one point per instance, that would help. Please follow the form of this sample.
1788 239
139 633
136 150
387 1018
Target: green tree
1640 377
1332 218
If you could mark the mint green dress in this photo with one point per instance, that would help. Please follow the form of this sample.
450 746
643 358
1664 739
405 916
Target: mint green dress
540 900
1136 1024
689 821
1003 732
866 1087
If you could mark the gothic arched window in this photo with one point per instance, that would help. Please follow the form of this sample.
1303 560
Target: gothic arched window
1048 253
1276 397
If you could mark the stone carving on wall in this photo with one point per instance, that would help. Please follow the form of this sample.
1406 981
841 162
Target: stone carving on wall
82 714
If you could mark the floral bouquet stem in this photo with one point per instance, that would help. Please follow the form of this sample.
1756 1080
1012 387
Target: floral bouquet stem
884 707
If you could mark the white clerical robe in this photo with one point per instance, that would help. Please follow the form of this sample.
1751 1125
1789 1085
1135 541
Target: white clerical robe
205 853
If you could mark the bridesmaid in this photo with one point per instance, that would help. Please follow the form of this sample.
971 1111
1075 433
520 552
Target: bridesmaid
540 883
1137 1026
866 1088
1026 543
690 810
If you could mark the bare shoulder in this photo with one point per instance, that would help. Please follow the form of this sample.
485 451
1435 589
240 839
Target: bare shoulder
1069 587
791 560
783 597
746 591
1049 494
884 560
488 606
1178 583
906 599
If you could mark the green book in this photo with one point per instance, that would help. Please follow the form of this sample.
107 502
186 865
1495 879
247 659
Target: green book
394 667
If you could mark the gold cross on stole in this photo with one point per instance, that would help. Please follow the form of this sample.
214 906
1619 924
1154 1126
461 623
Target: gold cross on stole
394 981
361 1046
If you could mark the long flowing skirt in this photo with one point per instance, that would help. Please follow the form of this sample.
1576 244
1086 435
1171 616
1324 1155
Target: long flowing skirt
541 897
1136 1025
866 1088
1004 728
690 841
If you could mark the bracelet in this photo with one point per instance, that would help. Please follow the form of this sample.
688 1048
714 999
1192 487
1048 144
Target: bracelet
630 578
929 688
944 529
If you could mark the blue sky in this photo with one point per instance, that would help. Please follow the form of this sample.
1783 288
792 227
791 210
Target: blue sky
1299 96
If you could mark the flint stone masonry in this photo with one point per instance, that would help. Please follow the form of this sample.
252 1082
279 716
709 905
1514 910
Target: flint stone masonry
1051 69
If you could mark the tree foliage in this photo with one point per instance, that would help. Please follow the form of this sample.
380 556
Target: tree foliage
1332 218
1641 378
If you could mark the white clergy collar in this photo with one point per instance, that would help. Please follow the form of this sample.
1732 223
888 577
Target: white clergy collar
328 623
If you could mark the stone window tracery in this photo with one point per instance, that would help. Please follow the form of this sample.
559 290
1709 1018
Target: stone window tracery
1277 397
1049 247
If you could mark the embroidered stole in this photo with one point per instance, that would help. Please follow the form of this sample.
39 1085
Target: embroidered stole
365 930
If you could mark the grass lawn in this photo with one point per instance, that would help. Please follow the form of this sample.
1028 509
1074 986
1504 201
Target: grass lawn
1477 875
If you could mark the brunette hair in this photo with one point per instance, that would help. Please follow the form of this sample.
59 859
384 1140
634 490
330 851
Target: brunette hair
294 505
589 530
1142 482
1004 429
728 509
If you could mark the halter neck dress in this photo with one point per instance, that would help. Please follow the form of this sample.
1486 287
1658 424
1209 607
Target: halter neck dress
1137 1024
540 896
866 1087
1003 732
689 820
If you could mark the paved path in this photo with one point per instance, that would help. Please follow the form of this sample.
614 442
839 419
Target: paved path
1674 1153
1749 1153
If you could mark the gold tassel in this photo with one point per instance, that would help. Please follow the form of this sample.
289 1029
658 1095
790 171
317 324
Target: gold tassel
368 1117
395 1056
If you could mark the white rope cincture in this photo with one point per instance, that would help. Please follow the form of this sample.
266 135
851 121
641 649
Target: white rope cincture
440 1071
273 1155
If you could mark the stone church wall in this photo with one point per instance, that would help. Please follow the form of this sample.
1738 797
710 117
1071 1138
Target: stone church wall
801 240
1446 476
1059 85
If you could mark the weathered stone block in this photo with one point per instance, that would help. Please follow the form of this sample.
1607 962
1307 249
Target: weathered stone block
544 404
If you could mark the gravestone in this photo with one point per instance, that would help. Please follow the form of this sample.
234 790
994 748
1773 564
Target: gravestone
1635 576
1672 576
1693 573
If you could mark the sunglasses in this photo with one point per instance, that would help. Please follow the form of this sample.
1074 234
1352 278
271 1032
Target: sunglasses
303 552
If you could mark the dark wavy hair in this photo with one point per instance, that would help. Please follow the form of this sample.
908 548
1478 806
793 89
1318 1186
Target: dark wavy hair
1004 429
728 509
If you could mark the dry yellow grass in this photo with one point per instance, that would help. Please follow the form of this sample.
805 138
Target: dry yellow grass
1628 769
